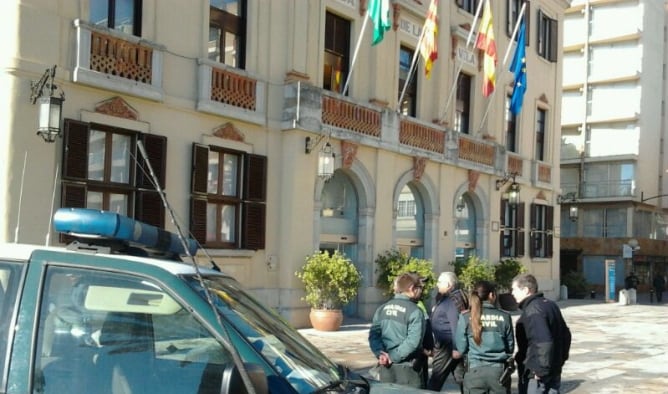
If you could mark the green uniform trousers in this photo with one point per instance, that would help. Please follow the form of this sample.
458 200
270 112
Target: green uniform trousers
484 379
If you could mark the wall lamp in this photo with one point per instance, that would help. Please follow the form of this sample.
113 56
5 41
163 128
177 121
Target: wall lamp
569 198
50 107
325 156
513 189
460 204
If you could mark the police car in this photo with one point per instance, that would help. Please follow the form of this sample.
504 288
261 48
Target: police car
116 312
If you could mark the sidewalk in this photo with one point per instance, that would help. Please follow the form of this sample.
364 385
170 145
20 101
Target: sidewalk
615 349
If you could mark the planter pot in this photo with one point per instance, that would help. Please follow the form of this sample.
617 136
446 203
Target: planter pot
326 319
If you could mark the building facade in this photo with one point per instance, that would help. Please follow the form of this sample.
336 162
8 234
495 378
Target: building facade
239 103
613 142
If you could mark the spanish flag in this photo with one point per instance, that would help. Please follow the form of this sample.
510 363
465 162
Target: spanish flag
486 43
428 45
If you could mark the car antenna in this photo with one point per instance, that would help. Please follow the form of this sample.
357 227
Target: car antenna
53 200
154 179
18 213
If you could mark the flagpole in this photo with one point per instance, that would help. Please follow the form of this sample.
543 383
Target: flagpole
413 62
503 66
461 64
357 48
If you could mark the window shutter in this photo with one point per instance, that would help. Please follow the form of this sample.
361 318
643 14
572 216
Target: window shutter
549 218
520 232
156 150
554 40
149 208
549 248
198 219
502 238
255 179
75 150
527 21
504 208
73 196
200 169
254 215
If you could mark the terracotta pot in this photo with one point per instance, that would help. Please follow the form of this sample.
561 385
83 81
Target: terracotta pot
326 319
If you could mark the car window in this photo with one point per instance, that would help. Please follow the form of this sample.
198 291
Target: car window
120 333
10 276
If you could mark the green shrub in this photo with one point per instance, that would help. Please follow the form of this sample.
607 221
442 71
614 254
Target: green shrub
393 263
473 270
576 283
505 271
330 281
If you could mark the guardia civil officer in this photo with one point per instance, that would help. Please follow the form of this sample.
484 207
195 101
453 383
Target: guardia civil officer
485 334
396 333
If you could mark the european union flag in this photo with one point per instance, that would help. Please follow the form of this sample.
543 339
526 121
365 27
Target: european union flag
519 68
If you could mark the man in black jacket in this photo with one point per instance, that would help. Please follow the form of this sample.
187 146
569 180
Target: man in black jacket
543 339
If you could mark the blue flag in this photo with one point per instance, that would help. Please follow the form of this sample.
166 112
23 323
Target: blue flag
519 69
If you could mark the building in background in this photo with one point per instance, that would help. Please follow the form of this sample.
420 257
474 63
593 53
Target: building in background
262 157
613 142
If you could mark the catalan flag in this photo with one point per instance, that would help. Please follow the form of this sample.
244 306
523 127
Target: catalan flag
379 12
519 69
428 47
486 42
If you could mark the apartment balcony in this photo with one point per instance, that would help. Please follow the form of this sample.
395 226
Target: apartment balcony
619 189
115 61
319 111
230 92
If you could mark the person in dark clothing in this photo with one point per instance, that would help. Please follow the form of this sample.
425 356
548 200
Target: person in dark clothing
485 334
543 339
396 333
631 281
450 301
659 284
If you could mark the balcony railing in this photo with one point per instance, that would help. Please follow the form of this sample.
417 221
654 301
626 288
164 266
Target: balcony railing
116 61
347 115
421 136
476 151
515 165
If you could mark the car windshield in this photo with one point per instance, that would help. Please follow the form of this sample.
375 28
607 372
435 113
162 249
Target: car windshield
290 354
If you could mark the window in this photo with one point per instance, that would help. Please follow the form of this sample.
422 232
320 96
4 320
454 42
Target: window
122 15
604 222
547 37
469 6
99 327
512 12
227 32
511 128
337 48
228 198
512 229
540 134
10 288
463 104
408 103
100 171
542 219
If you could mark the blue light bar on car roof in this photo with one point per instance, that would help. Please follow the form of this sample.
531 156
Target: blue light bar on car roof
93 223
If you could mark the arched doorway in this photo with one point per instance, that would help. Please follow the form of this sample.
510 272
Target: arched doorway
465 227
410 222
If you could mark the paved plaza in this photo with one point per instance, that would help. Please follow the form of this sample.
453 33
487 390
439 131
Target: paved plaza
616 348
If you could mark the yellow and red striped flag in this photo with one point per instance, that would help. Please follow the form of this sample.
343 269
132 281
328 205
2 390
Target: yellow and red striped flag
428 45
486 42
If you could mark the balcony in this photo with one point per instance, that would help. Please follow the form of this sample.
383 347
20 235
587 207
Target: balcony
318 111
230 92
602 189
115 61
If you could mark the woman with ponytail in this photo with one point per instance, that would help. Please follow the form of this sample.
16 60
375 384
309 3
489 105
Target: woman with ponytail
485 335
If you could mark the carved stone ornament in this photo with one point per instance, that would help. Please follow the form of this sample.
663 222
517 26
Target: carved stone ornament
419 164
541 196
117 107
229 132
348 153
473 180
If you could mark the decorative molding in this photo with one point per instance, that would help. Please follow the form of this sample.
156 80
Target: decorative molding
473 180
396 13
543 98
541 195
294 76
362 7
229 132
117 107
419 165
348 153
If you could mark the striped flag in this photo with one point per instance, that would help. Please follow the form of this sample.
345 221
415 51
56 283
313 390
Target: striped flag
428 48
519 69
486 42
379 12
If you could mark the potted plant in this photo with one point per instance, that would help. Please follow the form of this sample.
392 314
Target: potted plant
330 282
504 273
473 270
576 284
393 263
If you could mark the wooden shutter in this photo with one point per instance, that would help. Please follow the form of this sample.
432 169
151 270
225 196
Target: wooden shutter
534 233
156 150
198 219
553 44
520 231
549 247
254 215
255 178
149 208
527 21
72 196
200 169
75 150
